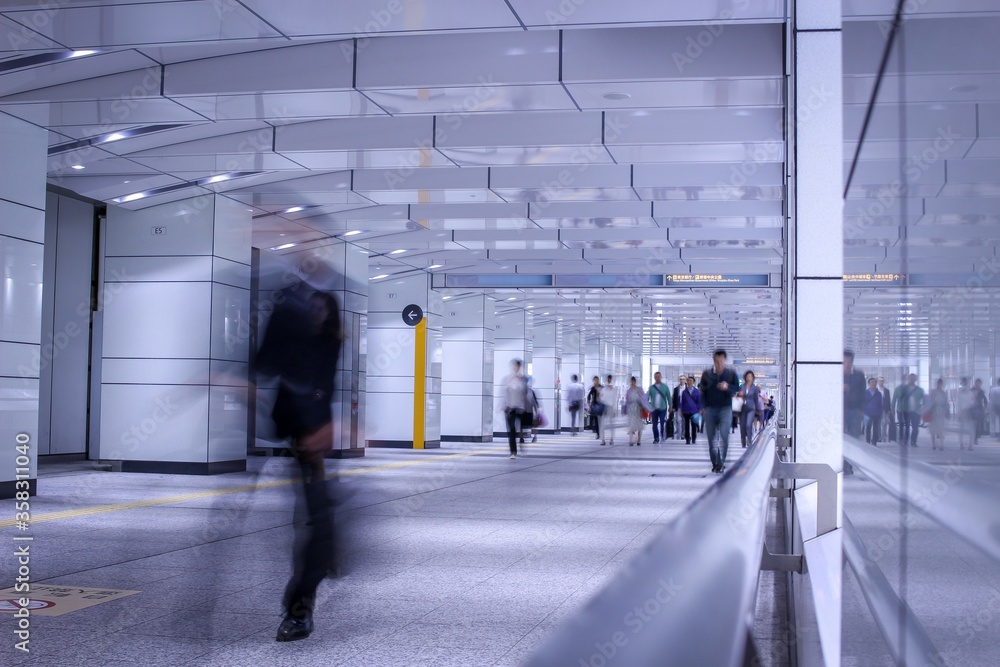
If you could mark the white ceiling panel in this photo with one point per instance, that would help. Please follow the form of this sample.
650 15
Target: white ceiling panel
650 54
459 60
382 180
558 13
148 23
679 93
590 209
281 107
732 174
370 18
533 155
685 126
91 117
486 97
188 133
344 134
554 178
762 152
568 194
549 128
301 68
108 187
99 76
199 166
404 159
22 39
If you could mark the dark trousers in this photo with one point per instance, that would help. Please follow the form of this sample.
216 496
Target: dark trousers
314 555
912 427
690 430
515 423
904 427
746 418
659 425
873 430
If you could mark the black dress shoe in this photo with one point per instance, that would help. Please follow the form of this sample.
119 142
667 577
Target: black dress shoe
292 629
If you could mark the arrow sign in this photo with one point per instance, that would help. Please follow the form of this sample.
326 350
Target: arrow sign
412 315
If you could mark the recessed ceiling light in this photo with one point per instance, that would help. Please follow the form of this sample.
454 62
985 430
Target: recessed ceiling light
445 298
131 197
544 313
435 266
114 136
512 298
397 252
283 246
966 88
294 209
379 276
80 166
80 54
218 179
353 232
616 97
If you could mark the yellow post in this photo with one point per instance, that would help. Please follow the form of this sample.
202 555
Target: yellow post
419 382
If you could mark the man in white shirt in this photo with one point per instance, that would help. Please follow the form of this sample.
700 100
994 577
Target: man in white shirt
609 397
574 397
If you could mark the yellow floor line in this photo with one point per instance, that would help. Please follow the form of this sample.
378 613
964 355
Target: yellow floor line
212 493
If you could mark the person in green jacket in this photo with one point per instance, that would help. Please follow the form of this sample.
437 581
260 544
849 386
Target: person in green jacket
908 401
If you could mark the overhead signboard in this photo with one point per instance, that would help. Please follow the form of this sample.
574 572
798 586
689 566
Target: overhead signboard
718 279
608 280
874 279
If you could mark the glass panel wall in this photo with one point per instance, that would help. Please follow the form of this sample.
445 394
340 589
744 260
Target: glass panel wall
922 281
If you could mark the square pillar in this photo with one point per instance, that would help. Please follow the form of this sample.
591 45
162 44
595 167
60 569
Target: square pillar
175 313
545 371
22 354
404 364
467 350
572 364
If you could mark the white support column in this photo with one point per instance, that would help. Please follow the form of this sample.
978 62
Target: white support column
404 364
176 313
467 350
572 364
815 254
513 341
545 361
22 233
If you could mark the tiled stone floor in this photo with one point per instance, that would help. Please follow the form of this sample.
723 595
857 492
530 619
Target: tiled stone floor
457 556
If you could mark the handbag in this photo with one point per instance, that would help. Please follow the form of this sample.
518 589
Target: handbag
597 408
737 404
540 419
696 418
574 406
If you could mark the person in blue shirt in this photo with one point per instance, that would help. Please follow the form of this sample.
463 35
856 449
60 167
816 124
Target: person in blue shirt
690 405
718 386
659 398
873 412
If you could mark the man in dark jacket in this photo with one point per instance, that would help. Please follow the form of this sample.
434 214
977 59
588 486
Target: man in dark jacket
873 413
301 347
718 386
675 406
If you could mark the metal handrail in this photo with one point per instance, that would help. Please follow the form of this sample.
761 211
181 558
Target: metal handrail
970 510
702 568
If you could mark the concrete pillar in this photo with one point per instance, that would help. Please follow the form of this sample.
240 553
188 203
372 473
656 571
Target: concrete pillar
513 340
404 364
22 233
467 369
175 354
545 360
572 364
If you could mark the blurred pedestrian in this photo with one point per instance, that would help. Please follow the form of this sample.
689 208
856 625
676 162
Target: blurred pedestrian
659 398
635 404
690 408
609 399
937 413
300 348
594 406
873 413
749 394
574 396
516 407
718 386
